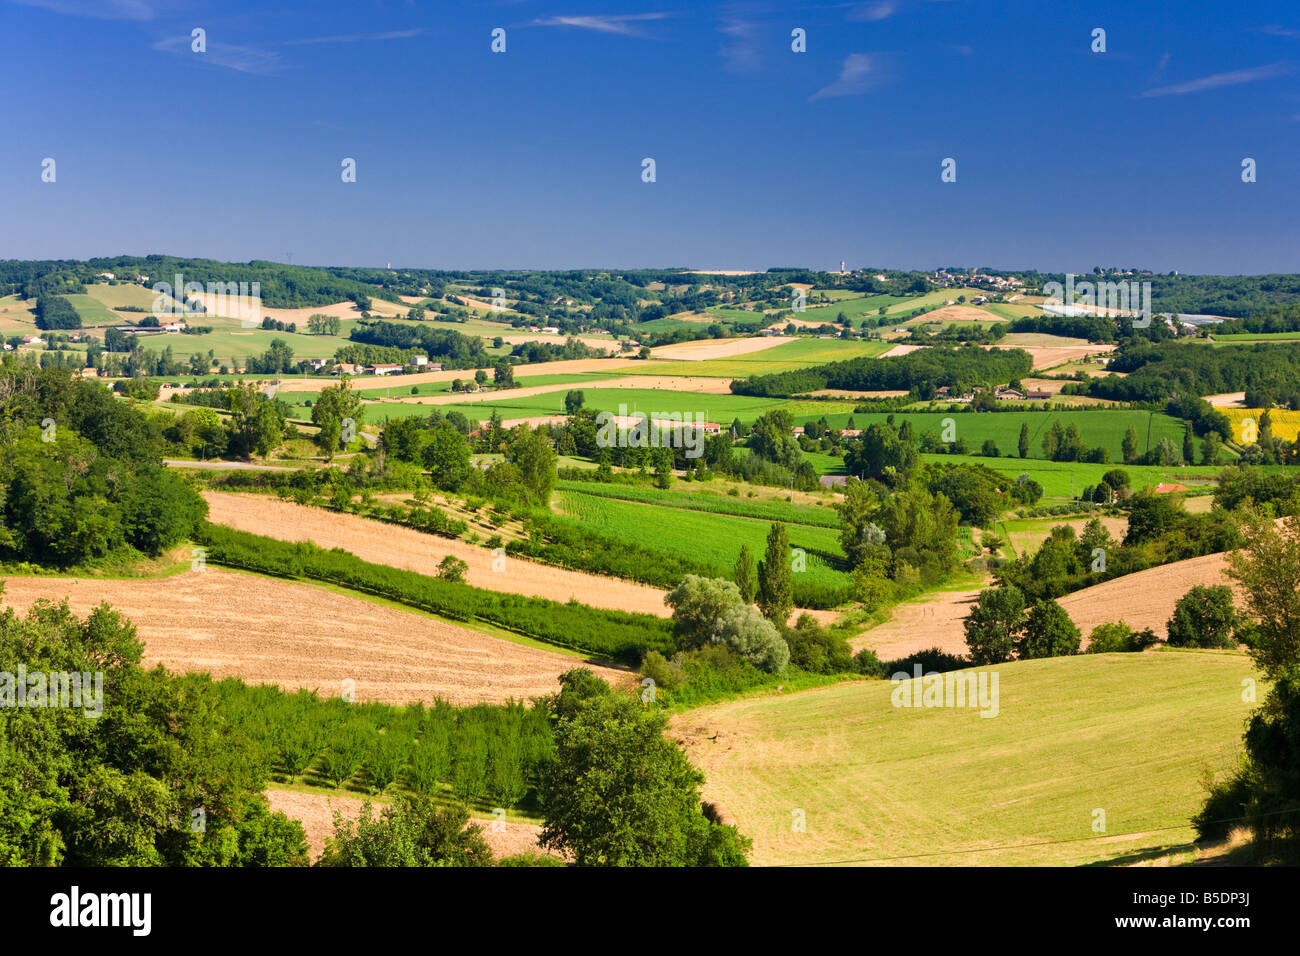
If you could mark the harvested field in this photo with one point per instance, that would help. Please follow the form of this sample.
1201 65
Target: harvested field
1143 599
850 395
1047 351
315 811
898 350
416 551
609 346
566 367
268 631
717 348
962 314
875 783
1227 400
339 310
673 383
931 621
1146 598
412 550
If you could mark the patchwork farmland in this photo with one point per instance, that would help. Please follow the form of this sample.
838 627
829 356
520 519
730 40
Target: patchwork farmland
429 579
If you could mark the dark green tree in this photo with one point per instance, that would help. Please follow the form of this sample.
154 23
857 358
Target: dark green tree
776 578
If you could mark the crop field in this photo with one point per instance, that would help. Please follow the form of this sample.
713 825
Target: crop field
1065 479
1105 428
128 293
1240 338
796 354
1285 423
265 630
16 317
94 312
397 389
412 550
716 408
875 783
1009 311
699 536
1027 534
936 298
766 509
855 308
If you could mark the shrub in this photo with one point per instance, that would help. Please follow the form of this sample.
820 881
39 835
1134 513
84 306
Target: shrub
1118 637
452 568
1048 632
1204 617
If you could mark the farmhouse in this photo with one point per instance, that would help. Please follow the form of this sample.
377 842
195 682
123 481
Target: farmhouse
384 368
1010 394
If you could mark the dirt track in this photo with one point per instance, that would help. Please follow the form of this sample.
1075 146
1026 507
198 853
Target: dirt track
295 635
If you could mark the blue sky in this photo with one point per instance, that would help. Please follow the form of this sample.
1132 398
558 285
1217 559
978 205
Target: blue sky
1066 158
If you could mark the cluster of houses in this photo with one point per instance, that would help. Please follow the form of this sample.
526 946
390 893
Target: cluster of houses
947 279
1005 393
417 363
159 329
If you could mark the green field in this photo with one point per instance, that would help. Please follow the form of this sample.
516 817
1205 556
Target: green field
1104 427
717 408
932 299
1239 338
700 536
16 316
399 390
1065 479
94 312
116 296
683 495
855 308
1129 734
795 354
1009 311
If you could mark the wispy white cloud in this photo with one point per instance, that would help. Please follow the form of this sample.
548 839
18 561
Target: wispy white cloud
245 59
95 9
871 12
1283 32
858 73
356 37
623 23
1217 80
740 51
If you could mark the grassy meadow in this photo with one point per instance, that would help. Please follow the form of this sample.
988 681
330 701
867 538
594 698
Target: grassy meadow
1132 735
